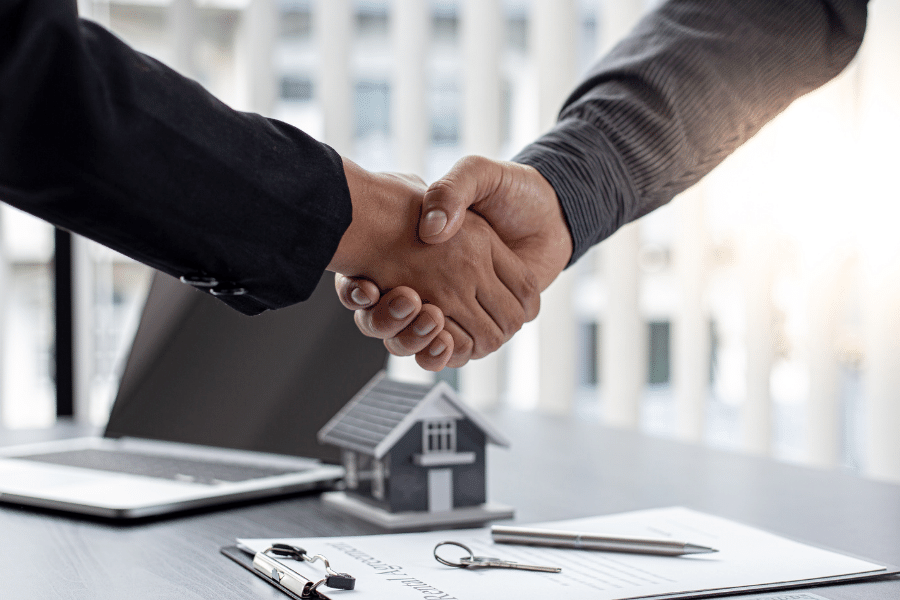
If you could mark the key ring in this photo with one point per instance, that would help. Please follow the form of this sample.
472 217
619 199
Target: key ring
444 561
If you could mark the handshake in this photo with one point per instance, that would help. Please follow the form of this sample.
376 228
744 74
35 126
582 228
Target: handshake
449 272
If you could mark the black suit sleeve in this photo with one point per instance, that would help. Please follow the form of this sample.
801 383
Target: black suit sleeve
691 83
110 144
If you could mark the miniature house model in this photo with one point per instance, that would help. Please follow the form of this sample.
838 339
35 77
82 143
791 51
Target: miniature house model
414 455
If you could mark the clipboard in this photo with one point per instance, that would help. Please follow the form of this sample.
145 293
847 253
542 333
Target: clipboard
245 559
284 576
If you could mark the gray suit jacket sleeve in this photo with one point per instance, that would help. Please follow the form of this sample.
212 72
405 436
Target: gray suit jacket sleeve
691 83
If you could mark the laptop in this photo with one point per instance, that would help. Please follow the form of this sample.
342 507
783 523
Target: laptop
213 407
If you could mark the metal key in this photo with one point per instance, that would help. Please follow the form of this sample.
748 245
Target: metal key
484 562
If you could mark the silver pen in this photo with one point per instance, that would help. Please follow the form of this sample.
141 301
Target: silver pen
589 541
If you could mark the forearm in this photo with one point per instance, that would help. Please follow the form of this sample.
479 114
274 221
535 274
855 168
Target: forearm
690 84
108 143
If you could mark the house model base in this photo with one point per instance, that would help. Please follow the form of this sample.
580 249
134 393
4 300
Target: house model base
469 515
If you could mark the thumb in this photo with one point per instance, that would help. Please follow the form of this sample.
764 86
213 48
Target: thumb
356 292
444 207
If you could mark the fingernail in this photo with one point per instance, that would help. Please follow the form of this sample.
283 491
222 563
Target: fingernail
400 308
433 223
437 348
424 325
358 296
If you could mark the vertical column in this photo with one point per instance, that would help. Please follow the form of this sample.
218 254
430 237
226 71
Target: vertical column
182 28
82 275
623 332
85 298
756 415
882 373
410 119
334 30
482 35
410 28
624 335
691 328
823 417
255 56
881 128
554 34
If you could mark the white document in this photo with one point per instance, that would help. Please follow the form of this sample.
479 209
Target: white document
402 567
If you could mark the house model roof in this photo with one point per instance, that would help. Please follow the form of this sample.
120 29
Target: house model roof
384 410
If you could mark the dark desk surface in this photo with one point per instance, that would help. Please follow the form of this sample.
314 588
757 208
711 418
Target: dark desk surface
556 469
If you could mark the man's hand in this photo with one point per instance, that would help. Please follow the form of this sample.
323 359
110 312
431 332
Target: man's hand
483 289
518 203
515 199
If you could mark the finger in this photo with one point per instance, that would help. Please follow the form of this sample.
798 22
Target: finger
506 314
419 334
436 356
492 313
396 309
356 292
467 184
463 344
518 279
483 327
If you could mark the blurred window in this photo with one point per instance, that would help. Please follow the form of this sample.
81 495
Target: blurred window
296 89
445 108
296 23
658 371
372 108
517 32
372 25
444 24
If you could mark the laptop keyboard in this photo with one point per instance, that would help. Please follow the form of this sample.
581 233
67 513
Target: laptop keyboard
163 467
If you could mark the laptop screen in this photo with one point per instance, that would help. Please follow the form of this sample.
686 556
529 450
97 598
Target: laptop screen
201 373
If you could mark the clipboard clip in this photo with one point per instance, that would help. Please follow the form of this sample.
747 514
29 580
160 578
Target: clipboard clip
268 563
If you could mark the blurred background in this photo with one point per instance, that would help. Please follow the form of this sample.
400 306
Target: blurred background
759 311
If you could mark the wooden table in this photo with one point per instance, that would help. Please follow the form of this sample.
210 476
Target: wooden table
557 468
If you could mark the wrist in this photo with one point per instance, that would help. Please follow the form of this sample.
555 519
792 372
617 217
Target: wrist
385 211
348 258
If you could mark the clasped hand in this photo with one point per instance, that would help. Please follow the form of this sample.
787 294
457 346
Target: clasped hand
459 297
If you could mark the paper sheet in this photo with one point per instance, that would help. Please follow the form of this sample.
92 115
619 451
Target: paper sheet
401 566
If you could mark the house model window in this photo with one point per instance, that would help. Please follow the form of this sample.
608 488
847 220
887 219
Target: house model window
439 435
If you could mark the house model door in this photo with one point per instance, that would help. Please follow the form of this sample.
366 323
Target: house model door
440 490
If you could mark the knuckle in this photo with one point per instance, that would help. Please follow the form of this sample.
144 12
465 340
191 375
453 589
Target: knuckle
490 342
442 189
463 346
515 323
427 362
362 318
396 347
530 285
534 308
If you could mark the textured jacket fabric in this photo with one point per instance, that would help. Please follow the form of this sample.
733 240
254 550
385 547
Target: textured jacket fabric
110 144
692 82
